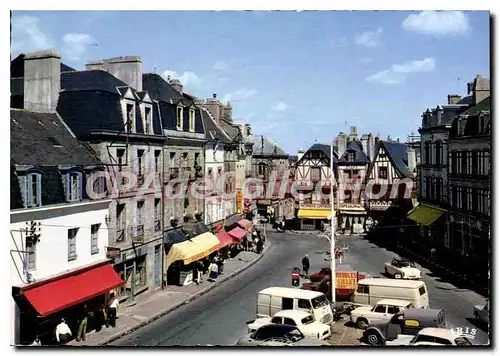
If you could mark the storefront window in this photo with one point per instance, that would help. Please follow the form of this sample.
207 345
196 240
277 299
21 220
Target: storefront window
140 276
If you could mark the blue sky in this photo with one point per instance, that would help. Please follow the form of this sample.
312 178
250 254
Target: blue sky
295 76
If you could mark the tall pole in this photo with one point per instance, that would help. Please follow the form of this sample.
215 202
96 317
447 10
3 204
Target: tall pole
332 216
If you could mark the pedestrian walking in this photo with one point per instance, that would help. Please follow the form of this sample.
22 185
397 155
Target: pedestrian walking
63 332
260 246
220 264
296 277
82 328
306 265
112 310
213 271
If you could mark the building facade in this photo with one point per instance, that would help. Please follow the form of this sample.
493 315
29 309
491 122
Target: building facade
312 186
58 227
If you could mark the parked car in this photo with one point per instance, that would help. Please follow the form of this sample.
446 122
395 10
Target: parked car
278 335
482 313
434 337
408 322
401 268
382 312
303 320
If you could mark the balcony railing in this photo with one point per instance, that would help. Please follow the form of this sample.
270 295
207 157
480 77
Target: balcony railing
120 235
137 233
314 206
157 225
352 206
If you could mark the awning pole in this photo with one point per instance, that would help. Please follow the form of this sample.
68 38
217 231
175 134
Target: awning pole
333 281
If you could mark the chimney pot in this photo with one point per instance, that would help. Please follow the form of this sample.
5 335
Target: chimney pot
454 99
214 96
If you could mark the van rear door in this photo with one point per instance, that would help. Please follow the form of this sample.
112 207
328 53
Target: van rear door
423 296
263 305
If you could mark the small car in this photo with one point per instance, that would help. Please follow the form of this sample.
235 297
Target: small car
482 313
408 322
303 320
278 335
402 269
438 337
318 277
381 312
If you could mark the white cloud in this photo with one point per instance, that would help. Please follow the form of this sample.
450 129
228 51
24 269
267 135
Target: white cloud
187 79
220 65
240 94
397 73
28 35
75 45
365 60
437 23
369 39
280 106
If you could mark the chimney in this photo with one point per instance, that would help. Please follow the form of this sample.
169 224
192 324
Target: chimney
389 138
481 89
213 105
42 81
371 147
439 115
454 99
470 88
364 143
176 84
341 139
228 111
300 154
128 69
411 159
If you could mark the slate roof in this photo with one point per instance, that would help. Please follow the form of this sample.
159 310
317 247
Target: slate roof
212 130
159 89
466 124
264 146
325 149
396 152
90 80
35 138
232 131
359 154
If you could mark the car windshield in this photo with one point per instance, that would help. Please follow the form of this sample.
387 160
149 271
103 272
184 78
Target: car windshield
406 264
319 302
307 320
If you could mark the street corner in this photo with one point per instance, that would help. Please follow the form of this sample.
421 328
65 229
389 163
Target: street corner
344 333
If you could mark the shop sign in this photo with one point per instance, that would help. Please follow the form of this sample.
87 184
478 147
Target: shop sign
112 252
346 280
239 199
133 253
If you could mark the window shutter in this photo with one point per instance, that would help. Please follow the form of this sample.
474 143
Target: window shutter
27 190
38 178
80 186
68 186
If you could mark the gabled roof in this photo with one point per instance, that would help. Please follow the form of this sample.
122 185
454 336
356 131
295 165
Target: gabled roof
43 139
212 130
396 152
264 146
359 155
90 80
325 149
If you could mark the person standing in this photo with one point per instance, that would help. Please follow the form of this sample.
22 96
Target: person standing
63 332
305 265
220 264
100 317
213 271
112 309
82 328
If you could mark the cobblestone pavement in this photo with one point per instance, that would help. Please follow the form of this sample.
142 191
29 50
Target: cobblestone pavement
345 334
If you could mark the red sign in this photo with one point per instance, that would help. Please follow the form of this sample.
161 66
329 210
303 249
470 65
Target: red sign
112 252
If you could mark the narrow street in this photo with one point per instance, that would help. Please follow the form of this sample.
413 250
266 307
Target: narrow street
219 317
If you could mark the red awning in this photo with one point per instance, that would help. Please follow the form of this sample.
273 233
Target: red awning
245 224
224 238
63 293
237 234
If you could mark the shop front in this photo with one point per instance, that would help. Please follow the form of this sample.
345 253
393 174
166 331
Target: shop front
41 305
131 267
181 255
313 219
432 231
245 225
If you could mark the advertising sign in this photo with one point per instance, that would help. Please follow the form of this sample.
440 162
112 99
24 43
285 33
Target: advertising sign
346 280
239 200
112 252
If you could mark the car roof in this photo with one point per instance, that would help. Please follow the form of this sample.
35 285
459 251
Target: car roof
438 332
293 312
278 326
415 313
290 292
397 302
384 282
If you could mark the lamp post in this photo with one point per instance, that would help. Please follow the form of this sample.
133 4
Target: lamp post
332 237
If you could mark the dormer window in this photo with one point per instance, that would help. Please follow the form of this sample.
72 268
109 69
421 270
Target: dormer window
148 117
33 190
350 156
191 119
74 185
180 113
129 124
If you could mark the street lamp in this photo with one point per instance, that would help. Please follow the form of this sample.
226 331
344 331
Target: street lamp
333 280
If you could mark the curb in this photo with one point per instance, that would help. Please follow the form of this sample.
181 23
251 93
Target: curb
180 304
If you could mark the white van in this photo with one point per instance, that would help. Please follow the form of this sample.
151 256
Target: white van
372 290
274 299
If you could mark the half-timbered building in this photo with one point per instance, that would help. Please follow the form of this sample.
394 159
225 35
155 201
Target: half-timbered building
312 182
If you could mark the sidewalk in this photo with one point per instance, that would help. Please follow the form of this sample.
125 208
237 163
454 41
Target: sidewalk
154 305
343 335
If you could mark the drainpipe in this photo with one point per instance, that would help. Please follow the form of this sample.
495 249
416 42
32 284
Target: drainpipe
162 224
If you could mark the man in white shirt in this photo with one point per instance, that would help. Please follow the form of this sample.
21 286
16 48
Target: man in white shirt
112 308
63 332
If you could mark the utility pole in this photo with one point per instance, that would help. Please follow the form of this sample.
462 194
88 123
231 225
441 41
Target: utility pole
332 216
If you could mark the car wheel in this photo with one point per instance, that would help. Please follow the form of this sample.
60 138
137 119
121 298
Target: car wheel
362 323
373 338
386 271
